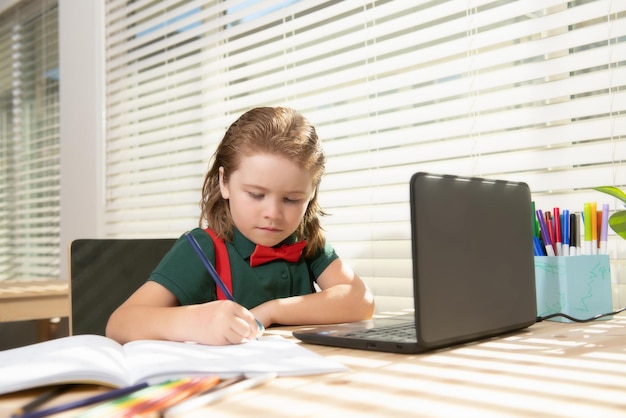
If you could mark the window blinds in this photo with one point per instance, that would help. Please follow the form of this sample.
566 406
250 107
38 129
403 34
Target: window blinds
29 142
529 91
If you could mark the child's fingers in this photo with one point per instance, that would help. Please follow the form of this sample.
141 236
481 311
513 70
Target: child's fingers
245 326
231 323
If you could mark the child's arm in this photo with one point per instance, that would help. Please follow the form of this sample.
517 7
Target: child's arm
343 298
152 312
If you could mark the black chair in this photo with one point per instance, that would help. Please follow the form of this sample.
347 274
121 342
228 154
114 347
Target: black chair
104 273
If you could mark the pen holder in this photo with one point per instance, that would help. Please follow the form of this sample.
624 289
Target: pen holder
579 286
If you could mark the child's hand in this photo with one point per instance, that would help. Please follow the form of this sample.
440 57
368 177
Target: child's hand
221 322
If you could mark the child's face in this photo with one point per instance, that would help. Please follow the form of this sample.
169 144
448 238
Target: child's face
268 195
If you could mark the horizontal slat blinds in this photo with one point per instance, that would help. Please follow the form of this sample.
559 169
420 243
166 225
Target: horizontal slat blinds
29 141
530 91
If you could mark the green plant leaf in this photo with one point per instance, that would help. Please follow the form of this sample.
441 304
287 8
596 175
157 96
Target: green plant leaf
613 191
617 222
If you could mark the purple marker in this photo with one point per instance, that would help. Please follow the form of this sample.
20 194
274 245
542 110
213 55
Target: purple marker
544 233
604 229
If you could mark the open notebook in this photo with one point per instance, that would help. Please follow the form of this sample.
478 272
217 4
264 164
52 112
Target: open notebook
473 269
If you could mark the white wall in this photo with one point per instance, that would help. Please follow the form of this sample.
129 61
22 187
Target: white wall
81 53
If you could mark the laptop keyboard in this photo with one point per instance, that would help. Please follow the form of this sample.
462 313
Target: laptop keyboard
400 333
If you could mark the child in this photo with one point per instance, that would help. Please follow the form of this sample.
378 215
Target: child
260 190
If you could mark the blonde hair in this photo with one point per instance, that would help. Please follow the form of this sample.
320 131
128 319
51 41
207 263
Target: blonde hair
272 130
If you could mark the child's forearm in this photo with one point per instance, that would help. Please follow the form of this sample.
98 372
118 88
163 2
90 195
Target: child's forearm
340 303
212 323
146 322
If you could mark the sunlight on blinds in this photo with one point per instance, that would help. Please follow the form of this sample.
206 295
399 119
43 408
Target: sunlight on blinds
29 142
526 91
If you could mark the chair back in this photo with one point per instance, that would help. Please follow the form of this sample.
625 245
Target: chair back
104 273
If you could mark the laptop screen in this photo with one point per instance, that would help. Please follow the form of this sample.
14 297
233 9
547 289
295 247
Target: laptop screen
473 258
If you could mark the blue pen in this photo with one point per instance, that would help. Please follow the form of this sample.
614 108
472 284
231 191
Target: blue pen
213 273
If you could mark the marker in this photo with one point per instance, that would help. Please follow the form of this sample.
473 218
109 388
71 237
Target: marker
565 222
214 396
550 229
587 224
580 231
544 233
557 231
535 223
594 228
215 276
573 234
537 248
604 230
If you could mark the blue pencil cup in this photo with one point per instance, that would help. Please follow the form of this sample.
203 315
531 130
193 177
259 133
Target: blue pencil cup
579 286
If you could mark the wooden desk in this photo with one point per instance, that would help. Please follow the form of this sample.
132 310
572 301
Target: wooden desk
36 300
550 370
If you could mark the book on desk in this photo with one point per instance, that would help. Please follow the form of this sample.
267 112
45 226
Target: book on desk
95 359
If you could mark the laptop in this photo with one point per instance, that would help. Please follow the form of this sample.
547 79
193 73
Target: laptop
473 269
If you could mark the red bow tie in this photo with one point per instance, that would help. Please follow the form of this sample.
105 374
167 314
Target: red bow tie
288 252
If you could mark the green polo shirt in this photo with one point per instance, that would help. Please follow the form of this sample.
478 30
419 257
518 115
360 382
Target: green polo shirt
183 274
